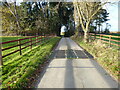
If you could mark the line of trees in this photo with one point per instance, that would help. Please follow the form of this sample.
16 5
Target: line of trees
31 18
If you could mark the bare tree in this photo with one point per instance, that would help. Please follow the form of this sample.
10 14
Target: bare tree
86 11
14 12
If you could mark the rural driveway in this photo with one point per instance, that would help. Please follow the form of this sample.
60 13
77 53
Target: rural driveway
72 67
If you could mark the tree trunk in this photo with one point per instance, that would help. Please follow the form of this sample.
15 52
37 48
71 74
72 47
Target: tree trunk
85 36
17 19
86 33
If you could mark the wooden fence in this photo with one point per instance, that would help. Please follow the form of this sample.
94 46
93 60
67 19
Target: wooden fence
31 42
110 39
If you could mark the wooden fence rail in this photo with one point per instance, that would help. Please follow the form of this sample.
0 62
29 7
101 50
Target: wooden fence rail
106 38
37 39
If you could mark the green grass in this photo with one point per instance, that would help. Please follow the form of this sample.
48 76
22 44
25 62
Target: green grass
115 34
4 39
17 70
106 56
114 38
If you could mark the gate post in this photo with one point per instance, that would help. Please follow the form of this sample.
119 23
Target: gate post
110 41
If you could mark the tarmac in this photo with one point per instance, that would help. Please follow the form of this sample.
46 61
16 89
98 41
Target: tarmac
73 67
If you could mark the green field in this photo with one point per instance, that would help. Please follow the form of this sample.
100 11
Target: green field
114 38
17 54
115 34
17 69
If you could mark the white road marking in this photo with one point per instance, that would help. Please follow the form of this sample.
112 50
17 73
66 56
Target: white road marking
75 53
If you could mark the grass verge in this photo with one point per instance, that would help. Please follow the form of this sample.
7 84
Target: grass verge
106 56
15 74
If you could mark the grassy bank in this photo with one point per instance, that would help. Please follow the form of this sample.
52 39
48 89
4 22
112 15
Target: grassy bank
17 70
106 56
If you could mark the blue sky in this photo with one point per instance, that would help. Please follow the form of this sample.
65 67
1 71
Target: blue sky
113 16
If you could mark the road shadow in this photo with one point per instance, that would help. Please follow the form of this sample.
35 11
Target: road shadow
69 75
88 55
72 54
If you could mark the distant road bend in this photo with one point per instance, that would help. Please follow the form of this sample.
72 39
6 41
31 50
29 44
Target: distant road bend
72 67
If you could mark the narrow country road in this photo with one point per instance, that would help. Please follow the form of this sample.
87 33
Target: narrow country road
72 67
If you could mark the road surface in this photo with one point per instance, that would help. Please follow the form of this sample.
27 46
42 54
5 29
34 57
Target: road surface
72 67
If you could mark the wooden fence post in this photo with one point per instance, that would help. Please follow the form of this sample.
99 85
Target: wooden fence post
30 39
109 40
89 37
36 40
100 37
94 35
19 43
47 36
43 37
1 62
